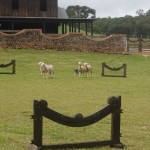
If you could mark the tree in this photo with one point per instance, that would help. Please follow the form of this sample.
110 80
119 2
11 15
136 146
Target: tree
71 12
147 13
140 12
80 12
133 26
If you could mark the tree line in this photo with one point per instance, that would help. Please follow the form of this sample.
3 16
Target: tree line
137 26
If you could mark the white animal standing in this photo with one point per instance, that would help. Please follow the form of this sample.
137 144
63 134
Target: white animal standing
47 70
83 68
88 68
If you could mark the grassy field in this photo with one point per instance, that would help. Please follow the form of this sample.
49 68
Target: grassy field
70 95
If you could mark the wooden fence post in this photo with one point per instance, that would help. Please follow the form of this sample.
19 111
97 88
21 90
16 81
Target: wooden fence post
127 44
13 66
115 122
140 45
103 67
37 125
124 70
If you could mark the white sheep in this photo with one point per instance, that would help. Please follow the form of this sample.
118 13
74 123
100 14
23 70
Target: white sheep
42 69
46 70
88 68
83 68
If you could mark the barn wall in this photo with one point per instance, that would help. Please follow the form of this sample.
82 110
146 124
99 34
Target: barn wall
29 8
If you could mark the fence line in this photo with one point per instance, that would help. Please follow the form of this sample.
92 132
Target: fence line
124 67
13 63
41 110
140 45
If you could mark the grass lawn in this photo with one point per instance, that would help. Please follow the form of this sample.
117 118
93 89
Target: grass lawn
69 95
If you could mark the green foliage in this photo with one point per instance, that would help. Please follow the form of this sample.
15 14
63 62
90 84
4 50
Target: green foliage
80 12
69 95
132 26
140 12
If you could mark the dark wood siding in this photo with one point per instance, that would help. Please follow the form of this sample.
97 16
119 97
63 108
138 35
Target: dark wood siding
29 8
5 7
23 11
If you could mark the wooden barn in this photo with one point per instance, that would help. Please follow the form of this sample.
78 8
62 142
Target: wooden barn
16 15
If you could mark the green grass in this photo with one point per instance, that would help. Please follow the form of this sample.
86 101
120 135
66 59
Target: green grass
70 95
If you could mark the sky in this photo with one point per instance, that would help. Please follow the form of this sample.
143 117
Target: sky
110 8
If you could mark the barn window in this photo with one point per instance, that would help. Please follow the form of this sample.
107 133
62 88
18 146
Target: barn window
43 5
15 4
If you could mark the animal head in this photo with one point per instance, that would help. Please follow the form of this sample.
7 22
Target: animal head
40 63
85 64
80 63
76 71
